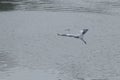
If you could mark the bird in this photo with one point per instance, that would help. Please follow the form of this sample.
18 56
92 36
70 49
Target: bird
78 36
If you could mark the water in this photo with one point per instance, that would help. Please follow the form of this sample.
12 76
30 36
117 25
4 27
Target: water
96 6
28 39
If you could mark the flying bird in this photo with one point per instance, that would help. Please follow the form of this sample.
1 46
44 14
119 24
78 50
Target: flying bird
78 36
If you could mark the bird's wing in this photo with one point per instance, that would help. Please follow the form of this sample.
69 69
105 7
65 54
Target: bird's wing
83 40
84 31
68 35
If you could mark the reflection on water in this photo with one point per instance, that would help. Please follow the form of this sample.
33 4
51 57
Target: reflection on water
6 61
6 6
104 6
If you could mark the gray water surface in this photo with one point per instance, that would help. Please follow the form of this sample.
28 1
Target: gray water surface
28 39
96 6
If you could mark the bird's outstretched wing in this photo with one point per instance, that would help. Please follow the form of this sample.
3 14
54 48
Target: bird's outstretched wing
83 31
67 35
